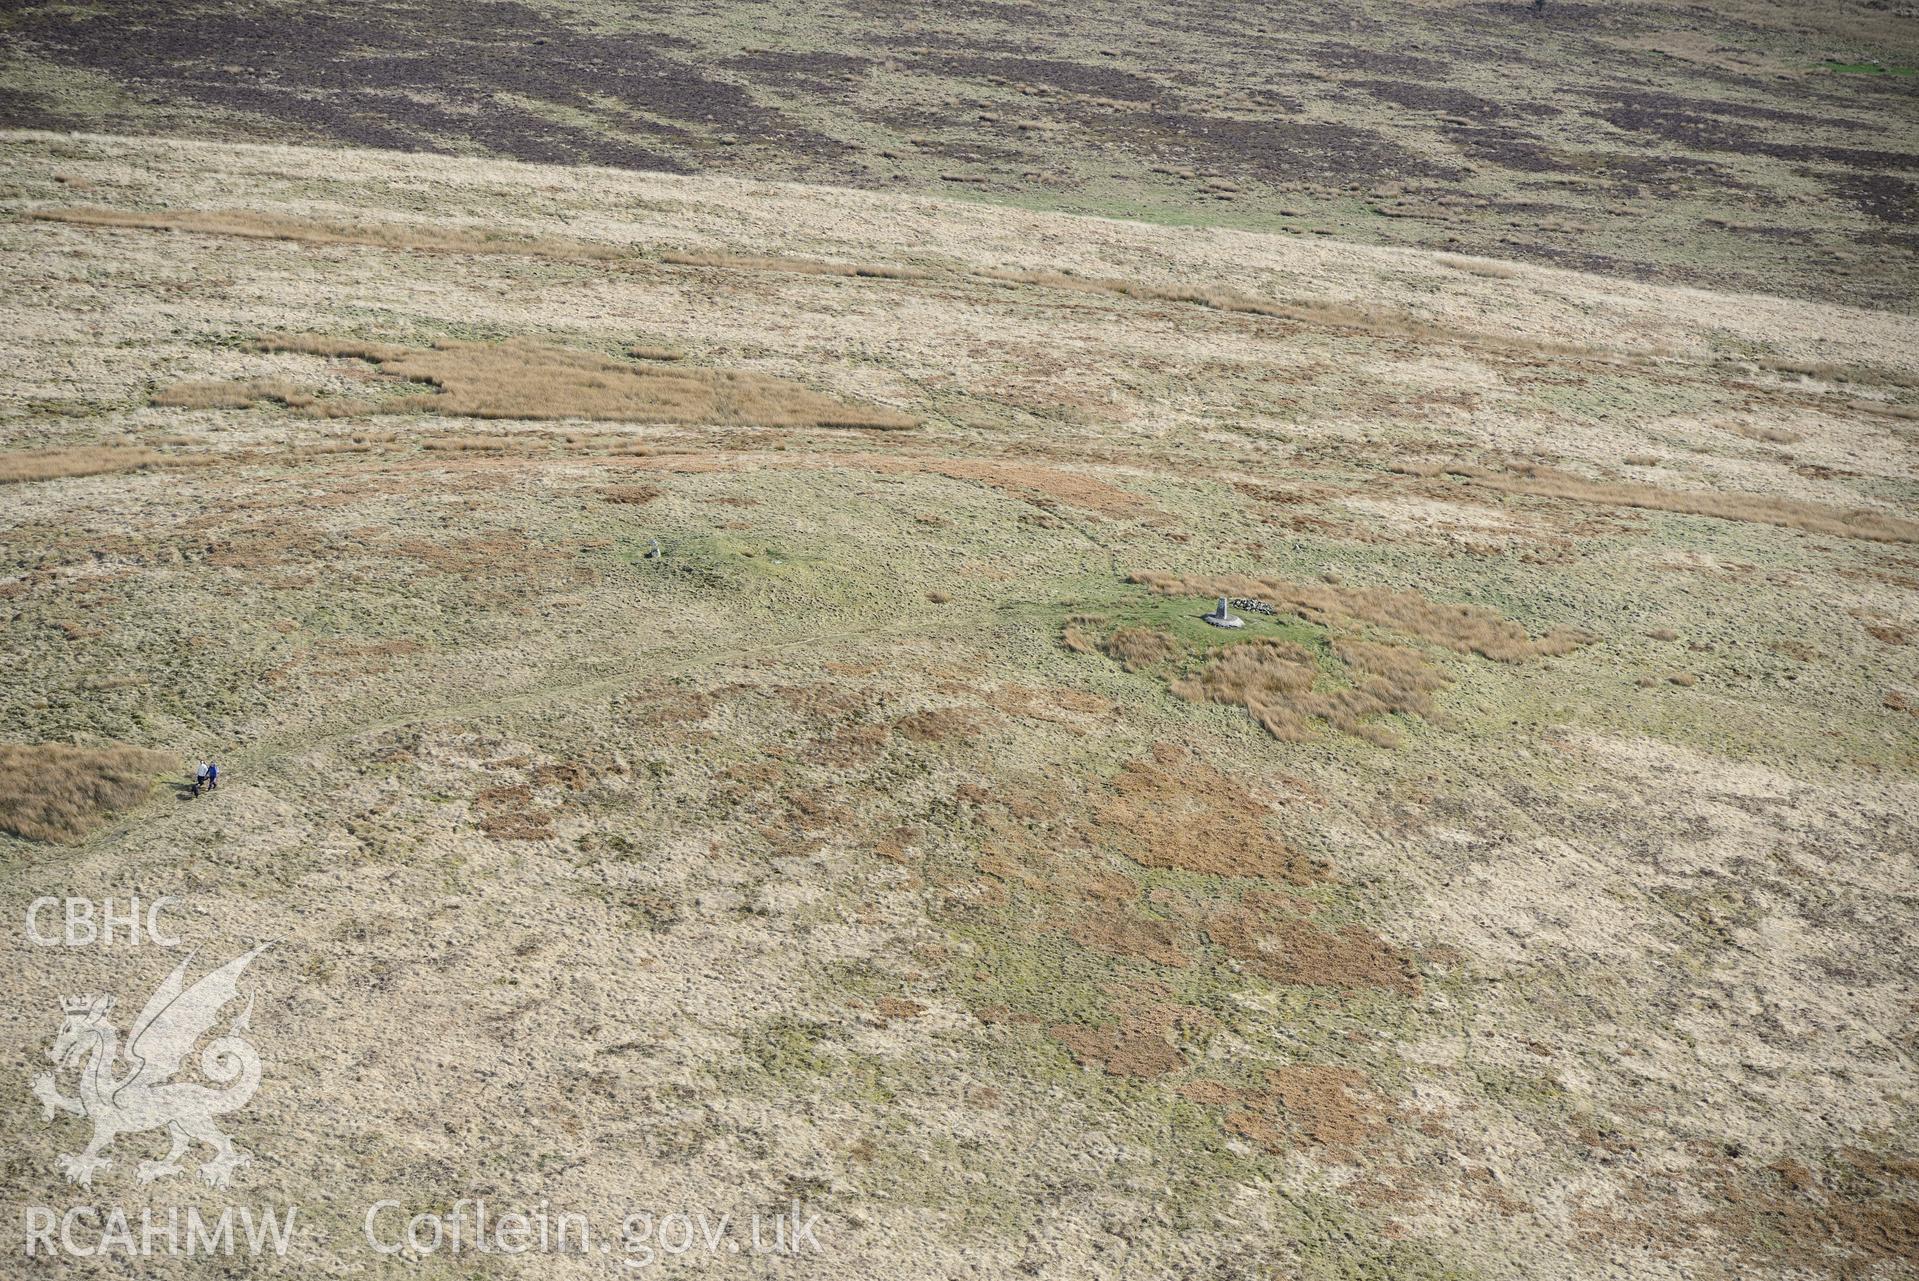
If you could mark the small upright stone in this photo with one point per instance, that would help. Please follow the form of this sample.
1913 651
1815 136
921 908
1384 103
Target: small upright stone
1223 616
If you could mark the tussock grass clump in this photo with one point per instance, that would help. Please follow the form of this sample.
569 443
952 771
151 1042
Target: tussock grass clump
260 226
21 465
520 378
468 444
1546 482
233 393
1075 638
56 792
1275 681
1139 647
1464 629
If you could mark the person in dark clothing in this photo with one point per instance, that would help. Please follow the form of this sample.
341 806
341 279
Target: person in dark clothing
213 776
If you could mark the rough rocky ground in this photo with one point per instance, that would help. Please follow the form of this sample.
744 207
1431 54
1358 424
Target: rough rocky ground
1747 144
900 840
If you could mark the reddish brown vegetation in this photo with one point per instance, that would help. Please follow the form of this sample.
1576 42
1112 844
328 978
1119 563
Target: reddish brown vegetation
1295 951
1171 810
520 378
1333 1107
1122 934
1275 679
1137 1045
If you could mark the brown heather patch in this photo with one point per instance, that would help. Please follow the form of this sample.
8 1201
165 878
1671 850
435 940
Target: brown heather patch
889 1008
1274 680
938 725
1172 810
1138 1045
1054 706
1465 629
520 378
1298 953
21 465
260 226
1333 1107
515 825
1119 933
57 792
1545 482
641 351
1853 1219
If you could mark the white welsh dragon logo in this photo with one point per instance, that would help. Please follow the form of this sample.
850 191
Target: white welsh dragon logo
142 1096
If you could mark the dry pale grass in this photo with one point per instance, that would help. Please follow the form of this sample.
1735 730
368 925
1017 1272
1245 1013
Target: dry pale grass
1043 485
87 460
632 495
524 379
1486 267
263 226
798 266
1339 315
57 792
260 226
1275 681
1545 482
1373 321
1465 629
1765 435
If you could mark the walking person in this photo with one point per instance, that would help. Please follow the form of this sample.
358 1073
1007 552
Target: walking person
200 776
213 775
